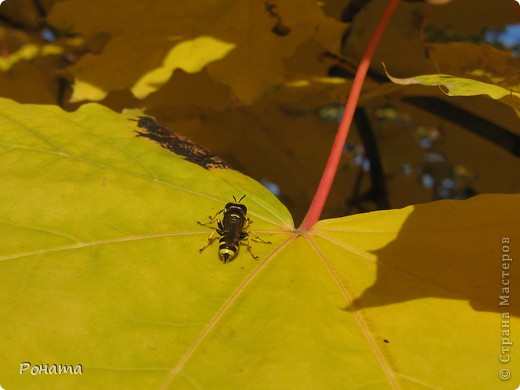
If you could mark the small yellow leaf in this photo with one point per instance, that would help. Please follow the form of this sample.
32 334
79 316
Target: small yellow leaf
86 91
190 56
460 86
28 52
319 80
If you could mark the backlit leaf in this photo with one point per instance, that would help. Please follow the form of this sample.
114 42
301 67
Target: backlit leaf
190 56
459 86
483 63
100 266
28 52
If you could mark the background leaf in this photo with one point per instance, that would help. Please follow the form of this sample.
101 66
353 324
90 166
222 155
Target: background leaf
283 104
245 25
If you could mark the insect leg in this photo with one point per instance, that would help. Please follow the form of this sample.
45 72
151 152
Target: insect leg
248 223
210 241
258 239
246 233
211 220
249 246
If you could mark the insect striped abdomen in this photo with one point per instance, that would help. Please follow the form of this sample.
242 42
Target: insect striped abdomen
229 243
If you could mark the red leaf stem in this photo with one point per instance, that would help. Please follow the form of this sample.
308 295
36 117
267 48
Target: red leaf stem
316 207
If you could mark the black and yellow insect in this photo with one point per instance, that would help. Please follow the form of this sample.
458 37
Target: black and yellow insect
232 230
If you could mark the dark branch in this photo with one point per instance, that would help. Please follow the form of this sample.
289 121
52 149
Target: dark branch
378 192
471 122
